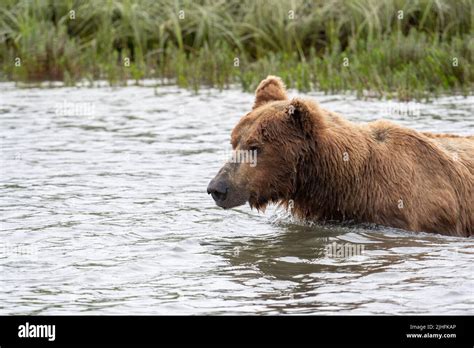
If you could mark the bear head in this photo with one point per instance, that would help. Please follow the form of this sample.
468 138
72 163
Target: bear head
271 146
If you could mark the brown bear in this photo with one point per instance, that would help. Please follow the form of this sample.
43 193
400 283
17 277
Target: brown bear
325 168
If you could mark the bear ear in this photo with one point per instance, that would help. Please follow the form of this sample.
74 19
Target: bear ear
300 113
270 89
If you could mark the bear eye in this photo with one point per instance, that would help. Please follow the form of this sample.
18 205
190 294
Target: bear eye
254 147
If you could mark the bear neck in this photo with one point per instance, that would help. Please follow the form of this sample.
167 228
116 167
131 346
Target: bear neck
330 178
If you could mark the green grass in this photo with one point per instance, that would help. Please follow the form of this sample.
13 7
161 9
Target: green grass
406 58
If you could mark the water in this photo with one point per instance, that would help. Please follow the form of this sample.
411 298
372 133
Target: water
104 210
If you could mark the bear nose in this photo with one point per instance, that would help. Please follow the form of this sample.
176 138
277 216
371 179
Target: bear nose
218 190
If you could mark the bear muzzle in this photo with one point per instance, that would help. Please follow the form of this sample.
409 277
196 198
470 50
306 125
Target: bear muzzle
225 192
218 190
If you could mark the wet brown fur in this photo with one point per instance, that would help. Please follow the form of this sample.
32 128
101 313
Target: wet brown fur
326 168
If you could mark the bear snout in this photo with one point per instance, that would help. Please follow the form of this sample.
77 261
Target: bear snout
226 191
218 188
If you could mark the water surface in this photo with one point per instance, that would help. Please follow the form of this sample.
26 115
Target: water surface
104 210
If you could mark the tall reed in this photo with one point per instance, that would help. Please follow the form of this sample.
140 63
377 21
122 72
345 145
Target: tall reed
408 48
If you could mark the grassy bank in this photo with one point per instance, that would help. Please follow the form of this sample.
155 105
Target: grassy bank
336 45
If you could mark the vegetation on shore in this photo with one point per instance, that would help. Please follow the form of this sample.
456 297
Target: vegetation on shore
403 48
